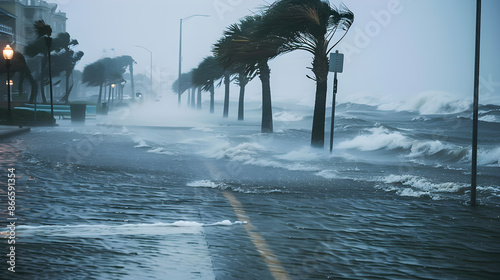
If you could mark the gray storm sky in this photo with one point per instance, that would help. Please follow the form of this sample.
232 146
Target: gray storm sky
396 49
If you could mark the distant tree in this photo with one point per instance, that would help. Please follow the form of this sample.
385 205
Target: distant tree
310 25
107 71
226 46
251 48
186 83
95 75
208 71
19 65
65 60
37 51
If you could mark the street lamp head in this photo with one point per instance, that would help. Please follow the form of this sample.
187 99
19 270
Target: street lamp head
113 85
8 53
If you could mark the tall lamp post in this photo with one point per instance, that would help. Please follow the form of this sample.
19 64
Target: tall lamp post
180 54
151 65
8 54
48 42
475 114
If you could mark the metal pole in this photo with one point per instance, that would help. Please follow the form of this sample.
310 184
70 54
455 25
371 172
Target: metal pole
476 106
151 76
180 65
180 54
333 110
9 111
48 40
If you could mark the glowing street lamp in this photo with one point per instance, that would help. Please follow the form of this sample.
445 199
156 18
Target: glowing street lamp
113 92
8 54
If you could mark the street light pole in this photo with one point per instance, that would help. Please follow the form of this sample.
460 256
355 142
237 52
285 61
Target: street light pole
475 117
8 54
151 67
180 54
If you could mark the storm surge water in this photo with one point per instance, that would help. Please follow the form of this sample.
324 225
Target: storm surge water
147 189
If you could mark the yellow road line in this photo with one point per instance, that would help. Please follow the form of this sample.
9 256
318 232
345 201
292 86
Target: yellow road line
267 255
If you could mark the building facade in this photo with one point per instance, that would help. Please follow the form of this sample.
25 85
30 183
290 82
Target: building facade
18 16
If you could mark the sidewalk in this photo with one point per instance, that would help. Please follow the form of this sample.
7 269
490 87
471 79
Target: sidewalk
9 131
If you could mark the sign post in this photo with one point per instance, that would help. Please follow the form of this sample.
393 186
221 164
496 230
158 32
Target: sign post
336 66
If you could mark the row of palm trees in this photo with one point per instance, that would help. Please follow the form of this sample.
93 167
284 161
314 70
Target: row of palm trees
106 72
246 48
33 63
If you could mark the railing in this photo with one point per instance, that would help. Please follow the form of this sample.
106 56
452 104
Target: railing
6 29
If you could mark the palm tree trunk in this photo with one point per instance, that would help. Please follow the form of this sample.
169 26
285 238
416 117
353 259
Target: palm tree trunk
212 96
189 97
227 81
99 99
193 97
65 98
34 85
131 69
267 110
42 84
320 66
198 101
241 101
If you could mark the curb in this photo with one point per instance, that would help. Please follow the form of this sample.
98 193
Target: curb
13 132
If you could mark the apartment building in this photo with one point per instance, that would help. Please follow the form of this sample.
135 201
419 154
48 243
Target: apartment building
18 16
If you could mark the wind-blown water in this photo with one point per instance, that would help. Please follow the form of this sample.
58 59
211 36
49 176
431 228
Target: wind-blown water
137 197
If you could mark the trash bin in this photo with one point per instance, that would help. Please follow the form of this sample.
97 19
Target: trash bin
104 108
78 112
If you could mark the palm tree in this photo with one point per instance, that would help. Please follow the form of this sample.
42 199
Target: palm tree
37 51
94 75
205 76
250 47
186 83
311 25
65 60
223 48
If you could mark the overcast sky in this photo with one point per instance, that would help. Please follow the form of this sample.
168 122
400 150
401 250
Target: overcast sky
396 49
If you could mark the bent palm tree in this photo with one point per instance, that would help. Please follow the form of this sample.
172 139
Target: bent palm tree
205 76
249 47
311 25
224 47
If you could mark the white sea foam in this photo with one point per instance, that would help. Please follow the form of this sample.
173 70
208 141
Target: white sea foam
178 227
203 129
141 144
304 154
488 118
379 138
410 185
420 148
287 117
489 157
160 151
430 102
204 184
328 174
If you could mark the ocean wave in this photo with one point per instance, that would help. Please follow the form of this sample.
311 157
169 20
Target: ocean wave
141 144
429 103
287 117
304 154
379 138
414 186
235 188
160 151
436 147
488 156
489 118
